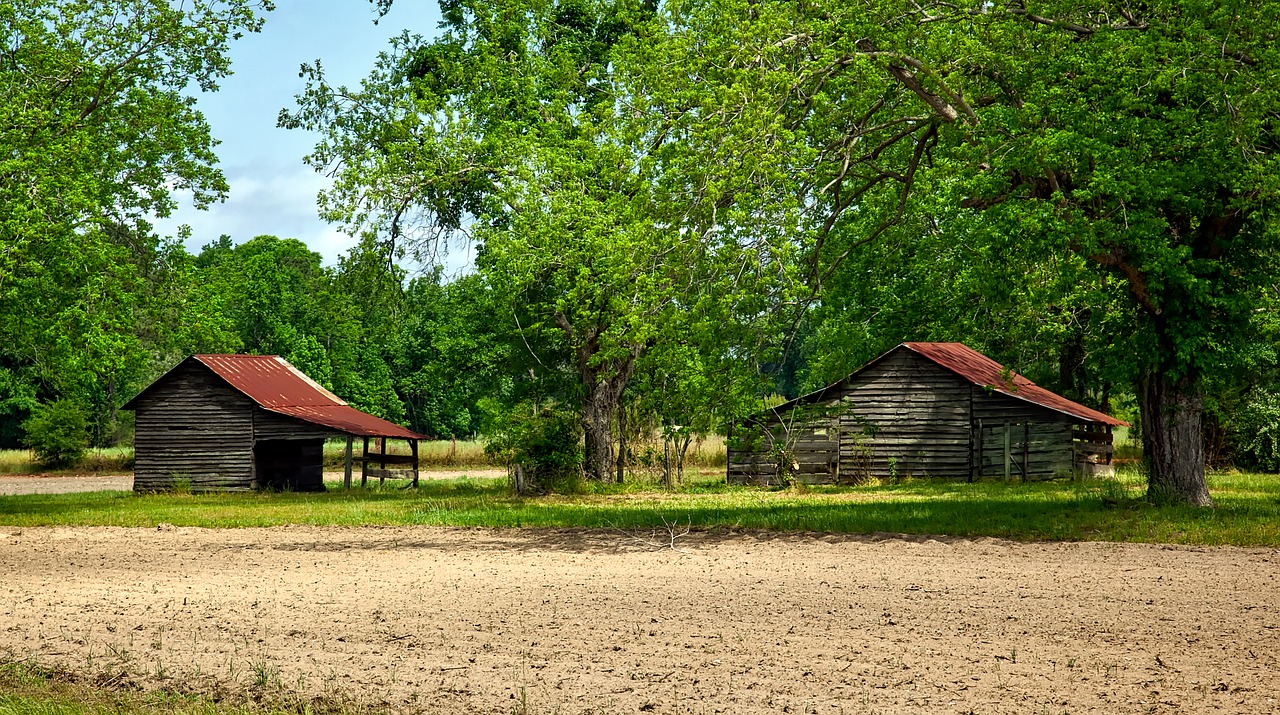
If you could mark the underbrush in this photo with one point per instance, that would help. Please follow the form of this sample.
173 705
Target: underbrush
1247 511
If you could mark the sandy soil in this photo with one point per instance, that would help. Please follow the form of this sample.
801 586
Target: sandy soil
58 484
50 484
459 620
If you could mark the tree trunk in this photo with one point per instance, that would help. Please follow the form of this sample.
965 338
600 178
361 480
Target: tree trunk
666 463
604 395
622 443
1173 439
597 423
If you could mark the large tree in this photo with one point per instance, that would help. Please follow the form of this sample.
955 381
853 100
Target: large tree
1136 141
97 132
518 127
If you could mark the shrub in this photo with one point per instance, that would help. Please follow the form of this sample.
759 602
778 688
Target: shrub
58 433
1254 433
541 446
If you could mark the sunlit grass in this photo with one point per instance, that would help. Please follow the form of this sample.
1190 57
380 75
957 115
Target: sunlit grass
1247 512
29 689
104 460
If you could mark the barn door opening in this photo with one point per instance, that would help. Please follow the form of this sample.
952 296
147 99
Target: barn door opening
289 464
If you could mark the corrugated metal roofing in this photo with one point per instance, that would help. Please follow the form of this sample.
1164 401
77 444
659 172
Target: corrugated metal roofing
273 383
985 372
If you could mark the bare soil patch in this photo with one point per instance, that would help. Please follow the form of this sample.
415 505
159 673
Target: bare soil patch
492 621
68 484
64 484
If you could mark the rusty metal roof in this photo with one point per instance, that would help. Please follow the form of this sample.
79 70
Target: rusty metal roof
980 370
277 386
985 372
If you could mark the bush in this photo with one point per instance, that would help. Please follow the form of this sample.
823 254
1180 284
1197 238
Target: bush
1254 433
542 448
58 433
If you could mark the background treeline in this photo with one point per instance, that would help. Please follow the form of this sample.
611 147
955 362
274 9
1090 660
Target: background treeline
422 352
447 357
680 210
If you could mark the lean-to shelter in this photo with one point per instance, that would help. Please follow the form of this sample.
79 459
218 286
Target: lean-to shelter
240 422
923 409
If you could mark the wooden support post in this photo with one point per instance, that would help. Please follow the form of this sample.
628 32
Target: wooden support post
1111 442
364 465
413 447
382 465
1026 447
346 472
1007 464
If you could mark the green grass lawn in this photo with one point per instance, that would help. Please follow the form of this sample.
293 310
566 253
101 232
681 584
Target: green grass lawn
1247 512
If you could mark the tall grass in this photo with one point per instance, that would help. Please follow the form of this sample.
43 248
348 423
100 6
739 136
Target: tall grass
103 460
646 455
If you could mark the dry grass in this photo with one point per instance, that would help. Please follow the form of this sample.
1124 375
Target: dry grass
104 460
646 455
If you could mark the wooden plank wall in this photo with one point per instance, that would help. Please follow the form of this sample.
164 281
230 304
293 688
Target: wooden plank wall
197 428
269 425
813 446
1040 435
905 416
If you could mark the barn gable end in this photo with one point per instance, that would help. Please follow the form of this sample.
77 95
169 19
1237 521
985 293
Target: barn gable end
193 427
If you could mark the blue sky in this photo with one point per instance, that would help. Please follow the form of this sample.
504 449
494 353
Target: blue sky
272 191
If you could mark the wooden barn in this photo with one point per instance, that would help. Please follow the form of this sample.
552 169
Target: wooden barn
239 422
923 409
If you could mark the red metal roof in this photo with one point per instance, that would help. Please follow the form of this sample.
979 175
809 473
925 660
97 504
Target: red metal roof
985 372
274 384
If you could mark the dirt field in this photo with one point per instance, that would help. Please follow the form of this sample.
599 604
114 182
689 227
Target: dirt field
456 620
47 484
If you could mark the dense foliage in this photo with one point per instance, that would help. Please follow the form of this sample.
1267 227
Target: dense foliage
678 208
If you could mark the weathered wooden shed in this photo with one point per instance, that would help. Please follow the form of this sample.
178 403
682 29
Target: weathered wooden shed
239 422
923 409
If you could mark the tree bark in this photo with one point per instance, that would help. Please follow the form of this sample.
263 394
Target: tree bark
1173 438
622 443
604 395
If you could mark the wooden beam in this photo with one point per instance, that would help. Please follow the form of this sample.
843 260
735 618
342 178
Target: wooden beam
346 472
364 465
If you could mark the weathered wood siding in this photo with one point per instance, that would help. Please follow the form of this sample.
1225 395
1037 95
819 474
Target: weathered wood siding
193 428
907 416
270 425
1039 438
814 447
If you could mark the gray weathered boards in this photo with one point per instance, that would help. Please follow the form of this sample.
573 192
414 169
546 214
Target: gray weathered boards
239 422
923 409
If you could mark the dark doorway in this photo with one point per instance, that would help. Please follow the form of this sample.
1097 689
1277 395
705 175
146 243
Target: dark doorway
292 464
